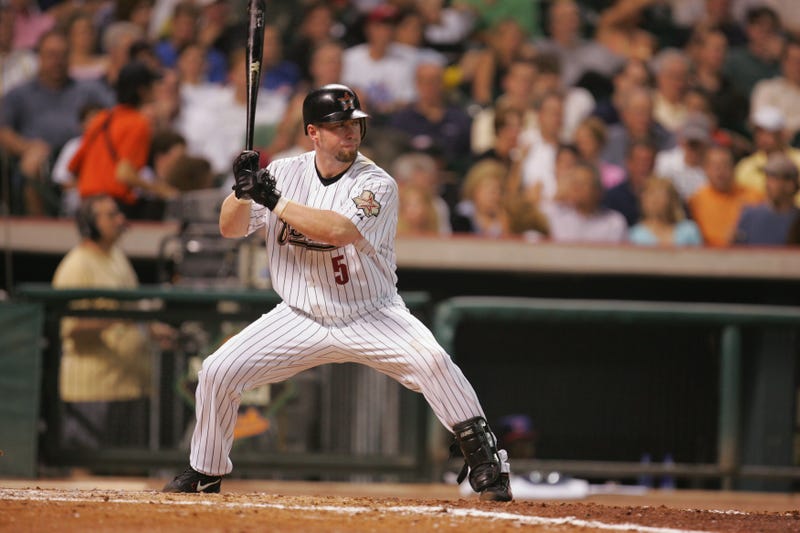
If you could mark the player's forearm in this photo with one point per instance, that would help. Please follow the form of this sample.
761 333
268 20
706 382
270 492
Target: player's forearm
234 217
321 225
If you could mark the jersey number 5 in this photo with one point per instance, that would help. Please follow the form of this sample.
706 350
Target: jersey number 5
340 273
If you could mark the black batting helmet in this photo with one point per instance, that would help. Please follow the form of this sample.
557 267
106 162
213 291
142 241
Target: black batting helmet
332 103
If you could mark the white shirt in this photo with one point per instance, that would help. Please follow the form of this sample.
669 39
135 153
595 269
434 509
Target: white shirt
539 166
321 279
781 93
569 225
671 164
388 81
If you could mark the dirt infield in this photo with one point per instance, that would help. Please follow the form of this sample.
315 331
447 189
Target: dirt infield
308 507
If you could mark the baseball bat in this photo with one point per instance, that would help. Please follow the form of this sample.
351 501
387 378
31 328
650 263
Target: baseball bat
255 49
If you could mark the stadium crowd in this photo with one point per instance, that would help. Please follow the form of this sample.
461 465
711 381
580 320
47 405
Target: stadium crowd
651 122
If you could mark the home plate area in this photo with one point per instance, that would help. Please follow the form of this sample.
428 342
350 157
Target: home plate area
304 507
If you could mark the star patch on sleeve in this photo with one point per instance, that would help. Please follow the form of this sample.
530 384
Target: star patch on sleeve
367 203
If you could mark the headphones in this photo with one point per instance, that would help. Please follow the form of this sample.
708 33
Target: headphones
87 220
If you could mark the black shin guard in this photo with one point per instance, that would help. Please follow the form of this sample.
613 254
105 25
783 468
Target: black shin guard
479 447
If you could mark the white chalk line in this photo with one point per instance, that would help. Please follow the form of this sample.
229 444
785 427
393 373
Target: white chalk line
40 495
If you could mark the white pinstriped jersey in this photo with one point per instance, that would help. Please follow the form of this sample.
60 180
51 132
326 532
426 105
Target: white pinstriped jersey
318 278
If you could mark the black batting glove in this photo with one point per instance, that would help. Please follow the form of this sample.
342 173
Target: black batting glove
265 191
245 168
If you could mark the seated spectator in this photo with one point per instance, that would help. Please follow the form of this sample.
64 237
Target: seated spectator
84 60
769 223
18 65
782 92
417 213
220 28
590 138
540 147
421 171
70 199
507 129
482 210
430 119
190 173
717 205
671 69
167 152
576 55
184 31
517 87
683 165
624 197
408 35
637 125
277 73
663 221
316 25
758 60
581 217
633 74
380 71
447 28
37 118
769 136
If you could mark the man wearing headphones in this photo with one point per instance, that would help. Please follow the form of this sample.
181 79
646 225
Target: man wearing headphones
104 378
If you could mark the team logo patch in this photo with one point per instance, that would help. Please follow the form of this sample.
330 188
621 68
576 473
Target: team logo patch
367 203
347 102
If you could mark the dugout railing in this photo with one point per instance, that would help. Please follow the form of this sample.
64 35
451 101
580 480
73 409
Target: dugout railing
357 451
774 371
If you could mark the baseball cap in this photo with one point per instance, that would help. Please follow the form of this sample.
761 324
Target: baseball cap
696 127
768 118
385 13
780 165
515 427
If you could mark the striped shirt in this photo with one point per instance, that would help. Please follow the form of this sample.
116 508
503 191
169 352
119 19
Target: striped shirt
320 279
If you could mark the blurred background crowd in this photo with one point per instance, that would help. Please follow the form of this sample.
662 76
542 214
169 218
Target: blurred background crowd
651 122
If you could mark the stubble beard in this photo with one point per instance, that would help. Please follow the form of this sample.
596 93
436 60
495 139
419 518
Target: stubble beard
346 156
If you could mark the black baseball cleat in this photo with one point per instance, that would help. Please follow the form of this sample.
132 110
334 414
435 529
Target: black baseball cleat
499 491
190 480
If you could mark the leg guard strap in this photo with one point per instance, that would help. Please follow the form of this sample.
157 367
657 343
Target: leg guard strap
479 447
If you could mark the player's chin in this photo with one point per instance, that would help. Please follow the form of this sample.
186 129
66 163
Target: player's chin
347 156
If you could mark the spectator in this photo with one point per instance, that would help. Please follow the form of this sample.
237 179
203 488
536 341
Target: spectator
417 213
317 25
709 48
37 118
707 16
116 145
219 29
683 165
663 221
446 28
538 162
633 74
380 71
581 217
408 35
505 44
105 370
517 94
278 75
624 197
188 173
481 210
16 65
758 60
590 138
769 223
184 31
215 128
118 39
66 180
769 137
671 68
30 23
431 120
325 68
167 152
716 206
84 60
619 29
137 12
576 55
508 123
637 125
783 92
421 171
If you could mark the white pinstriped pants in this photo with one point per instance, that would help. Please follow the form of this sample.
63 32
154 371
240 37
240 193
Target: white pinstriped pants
284 342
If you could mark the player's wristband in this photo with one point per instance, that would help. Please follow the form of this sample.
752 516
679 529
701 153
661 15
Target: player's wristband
280 206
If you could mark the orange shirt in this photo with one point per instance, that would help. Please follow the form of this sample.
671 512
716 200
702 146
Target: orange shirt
95 165
717 213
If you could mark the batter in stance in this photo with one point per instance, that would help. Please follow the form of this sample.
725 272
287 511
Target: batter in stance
330 217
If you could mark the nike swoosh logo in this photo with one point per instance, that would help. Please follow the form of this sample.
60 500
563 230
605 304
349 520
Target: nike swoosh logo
203 486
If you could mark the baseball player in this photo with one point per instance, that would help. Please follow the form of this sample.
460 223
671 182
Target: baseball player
330 217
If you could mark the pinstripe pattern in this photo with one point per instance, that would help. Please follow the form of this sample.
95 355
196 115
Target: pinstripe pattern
329 314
